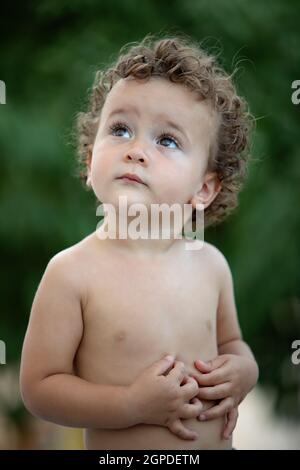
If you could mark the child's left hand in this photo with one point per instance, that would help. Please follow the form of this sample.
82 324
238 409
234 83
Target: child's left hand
227 378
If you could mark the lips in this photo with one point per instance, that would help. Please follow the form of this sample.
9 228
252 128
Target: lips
132 177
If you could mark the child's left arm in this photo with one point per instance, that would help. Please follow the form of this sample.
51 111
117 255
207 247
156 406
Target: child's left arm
230 376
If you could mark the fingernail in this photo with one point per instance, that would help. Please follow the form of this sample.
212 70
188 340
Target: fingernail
202 417
169 358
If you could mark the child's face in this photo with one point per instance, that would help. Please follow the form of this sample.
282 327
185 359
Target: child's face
172 166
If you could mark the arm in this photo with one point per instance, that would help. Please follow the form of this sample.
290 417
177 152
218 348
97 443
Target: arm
229 334
234 372
48 385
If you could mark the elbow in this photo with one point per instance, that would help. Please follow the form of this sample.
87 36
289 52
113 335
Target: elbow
30 398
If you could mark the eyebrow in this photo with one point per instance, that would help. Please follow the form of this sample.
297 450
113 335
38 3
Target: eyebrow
133 110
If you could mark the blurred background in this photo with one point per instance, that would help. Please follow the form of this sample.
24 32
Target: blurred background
50 51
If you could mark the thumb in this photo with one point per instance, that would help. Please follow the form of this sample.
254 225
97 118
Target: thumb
161 366
204 366
218 361
208 366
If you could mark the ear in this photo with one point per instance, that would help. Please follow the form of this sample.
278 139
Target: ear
211 186
88 162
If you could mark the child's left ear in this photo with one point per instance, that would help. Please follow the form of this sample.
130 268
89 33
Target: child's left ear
211 186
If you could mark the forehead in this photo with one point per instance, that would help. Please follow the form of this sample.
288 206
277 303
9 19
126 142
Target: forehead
158 97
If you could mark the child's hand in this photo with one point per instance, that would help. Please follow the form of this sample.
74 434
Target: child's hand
159 398
226 378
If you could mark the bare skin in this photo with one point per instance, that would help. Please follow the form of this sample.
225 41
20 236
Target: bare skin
125 321
150 326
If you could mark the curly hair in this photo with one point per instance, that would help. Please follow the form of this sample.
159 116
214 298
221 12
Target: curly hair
181 60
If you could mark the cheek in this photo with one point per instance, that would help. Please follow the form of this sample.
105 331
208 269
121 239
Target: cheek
175 183
100 170
102 162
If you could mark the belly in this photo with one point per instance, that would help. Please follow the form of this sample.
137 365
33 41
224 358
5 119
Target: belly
147 437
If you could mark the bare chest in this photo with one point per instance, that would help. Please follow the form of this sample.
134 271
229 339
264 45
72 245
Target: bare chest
154 298
137 312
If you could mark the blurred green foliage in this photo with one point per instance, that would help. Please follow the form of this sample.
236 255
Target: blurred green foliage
49 52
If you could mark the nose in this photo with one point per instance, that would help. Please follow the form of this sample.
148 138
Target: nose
136 154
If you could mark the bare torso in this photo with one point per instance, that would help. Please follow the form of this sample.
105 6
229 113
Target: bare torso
135 312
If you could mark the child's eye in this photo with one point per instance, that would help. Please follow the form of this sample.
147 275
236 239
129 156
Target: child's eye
117 129
169 137
118 126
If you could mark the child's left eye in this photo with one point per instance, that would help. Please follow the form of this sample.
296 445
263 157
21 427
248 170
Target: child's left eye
170 138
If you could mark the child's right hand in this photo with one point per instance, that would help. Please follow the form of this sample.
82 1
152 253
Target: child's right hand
159 398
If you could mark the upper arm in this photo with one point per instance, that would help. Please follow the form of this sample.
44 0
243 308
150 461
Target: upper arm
228 328
55 326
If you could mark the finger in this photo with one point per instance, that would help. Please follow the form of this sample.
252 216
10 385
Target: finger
195 400
190 389
190 410
209 366
217 392
184 380
203 366
161 366
218 410
178 372
232 417
218 361
177 428
215 377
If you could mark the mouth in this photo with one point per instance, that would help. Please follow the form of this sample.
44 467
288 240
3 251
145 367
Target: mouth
131 178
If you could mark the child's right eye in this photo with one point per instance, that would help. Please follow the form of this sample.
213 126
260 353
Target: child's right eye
118 126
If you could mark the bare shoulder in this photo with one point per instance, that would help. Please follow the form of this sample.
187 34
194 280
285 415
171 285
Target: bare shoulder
75 253
214 254
69 265
217 261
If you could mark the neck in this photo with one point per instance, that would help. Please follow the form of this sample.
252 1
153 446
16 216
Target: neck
137 238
